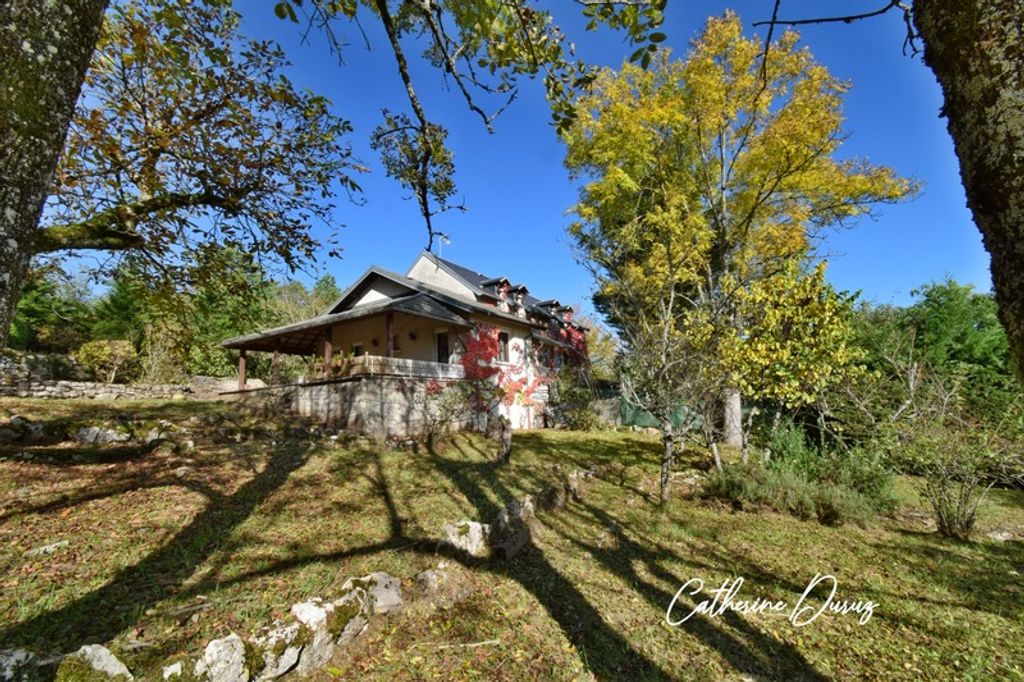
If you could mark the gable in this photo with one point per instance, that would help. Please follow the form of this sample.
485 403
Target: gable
431 273
379 290
370 288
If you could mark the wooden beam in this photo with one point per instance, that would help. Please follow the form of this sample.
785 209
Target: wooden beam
328 350
241 370
389 334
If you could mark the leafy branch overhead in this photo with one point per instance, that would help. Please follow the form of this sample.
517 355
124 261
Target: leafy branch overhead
187 136
483 48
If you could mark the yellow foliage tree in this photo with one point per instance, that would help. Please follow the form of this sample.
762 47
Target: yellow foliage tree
710 178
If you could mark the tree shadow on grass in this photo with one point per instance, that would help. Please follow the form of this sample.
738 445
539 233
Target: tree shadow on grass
102 614
983 581
603 650
749 651
49 411
86 455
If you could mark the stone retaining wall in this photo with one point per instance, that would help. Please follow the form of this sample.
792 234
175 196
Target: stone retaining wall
375 406
20 367
52 375
91 389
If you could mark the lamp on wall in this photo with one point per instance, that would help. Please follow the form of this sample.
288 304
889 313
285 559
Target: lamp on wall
412 336
375 342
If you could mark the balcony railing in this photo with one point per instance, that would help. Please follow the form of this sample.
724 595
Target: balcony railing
375 365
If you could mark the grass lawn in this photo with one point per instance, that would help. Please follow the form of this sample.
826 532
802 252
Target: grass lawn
168 550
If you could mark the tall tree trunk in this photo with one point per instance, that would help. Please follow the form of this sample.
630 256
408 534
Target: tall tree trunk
976 49
45 49
667 457
732 418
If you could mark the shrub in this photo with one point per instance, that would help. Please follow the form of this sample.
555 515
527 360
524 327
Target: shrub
108 358
570 400
862 471
833 487
958 466
790 492
789 442
440 407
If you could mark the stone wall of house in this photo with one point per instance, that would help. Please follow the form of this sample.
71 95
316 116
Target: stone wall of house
375 406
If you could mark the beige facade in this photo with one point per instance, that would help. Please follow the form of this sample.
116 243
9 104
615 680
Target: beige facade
411 330
427 271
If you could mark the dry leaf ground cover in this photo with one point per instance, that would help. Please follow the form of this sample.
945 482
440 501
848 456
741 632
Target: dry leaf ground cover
166 550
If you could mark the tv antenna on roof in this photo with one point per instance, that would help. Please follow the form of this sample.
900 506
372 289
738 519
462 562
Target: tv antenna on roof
442 240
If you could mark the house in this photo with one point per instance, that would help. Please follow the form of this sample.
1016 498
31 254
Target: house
390 339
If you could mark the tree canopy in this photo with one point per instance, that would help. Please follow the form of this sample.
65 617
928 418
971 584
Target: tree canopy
187 135
705 183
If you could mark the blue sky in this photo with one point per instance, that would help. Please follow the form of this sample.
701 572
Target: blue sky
517 190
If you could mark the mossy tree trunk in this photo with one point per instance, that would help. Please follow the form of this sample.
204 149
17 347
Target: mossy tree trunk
976 49
667 458
45 49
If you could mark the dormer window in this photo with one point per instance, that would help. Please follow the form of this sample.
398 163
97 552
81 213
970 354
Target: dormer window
496 286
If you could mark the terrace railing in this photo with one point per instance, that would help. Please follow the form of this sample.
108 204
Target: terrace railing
376 365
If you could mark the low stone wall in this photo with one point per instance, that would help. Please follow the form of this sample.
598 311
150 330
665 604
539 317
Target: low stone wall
91 389
18 367
375 406
52 375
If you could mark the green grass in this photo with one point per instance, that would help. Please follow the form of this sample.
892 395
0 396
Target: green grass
160 564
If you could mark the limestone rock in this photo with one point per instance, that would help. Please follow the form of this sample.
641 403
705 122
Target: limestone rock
572 486
385 591
18 664
1000 535
45 549
318 643
96 435
512 529
223 661
173 670
92 661
471 537
351 615
34 433
552 498
431 580
154 435
280 646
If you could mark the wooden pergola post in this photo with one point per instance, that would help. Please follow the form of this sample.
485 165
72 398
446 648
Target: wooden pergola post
328 351
275 366
241 370
389 334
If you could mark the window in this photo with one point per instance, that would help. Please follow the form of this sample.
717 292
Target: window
394 342
502 347
357 349
443 354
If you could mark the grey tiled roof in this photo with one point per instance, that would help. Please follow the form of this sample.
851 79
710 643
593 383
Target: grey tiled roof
423 300
440 295
302 337
475 280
